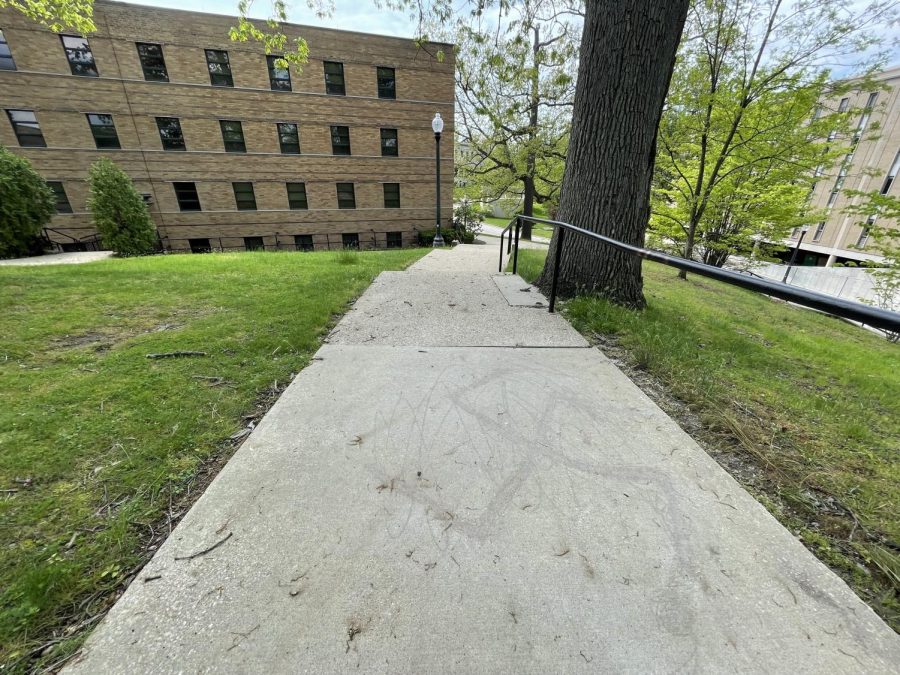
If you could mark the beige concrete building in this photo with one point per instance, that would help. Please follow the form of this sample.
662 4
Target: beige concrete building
871 163
229 150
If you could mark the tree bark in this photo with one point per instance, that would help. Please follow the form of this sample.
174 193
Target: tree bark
627 56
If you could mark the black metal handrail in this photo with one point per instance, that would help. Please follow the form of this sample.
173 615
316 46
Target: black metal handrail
847 309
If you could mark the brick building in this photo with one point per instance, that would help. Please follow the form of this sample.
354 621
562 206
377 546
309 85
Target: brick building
229 150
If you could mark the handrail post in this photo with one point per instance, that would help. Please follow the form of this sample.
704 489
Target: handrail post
509 240
516 252
560 234
500 267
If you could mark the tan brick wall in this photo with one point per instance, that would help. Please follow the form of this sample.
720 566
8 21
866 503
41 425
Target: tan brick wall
43 83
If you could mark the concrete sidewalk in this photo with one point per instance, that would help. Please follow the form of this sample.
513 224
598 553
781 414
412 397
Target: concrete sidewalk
458 483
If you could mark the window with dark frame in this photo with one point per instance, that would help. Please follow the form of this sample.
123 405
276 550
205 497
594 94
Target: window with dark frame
279 78
219 68
62 200
340 140
387 82
233 136
79 55
104 131
244 196
346 196
170 133
891 174
334 78
289 138
304 242
844 104
392 195
820 230
27 129
200 245
152 62
187 197
395 240
254 244
350 240
296 193
389 143
6 58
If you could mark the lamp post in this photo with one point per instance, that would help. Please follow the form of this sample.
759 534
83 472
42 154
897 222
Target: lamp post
803 231
437 124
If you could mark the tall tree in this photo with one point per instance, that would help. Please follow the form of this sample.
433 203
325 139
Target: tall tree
622 83
514 97
740 120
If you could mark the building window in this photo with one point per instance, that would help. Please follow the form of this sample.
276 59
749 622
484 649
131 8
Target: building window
170 133
389 143
303 242
340 140
186 194
152 62
820 229
289 138
78 52
233 136
842 107
279 78
346 196
867 114
891 175
199 245
104 131
219 68
863 238
395 240
6 59
59 192
296 193
795 233
244 197
387 83
392 195
334 78
254 244
831 199
350 240
27 129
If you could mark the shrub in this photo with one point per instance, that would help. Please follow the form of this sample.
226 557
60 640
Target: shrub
26 205
120 214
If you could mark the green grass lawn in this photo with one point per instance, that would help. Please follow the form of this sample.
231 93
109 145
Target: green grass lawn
100 444
803 407
537 229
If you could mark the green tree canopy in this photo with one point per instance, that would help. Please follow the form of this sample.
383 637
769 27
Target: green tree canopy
747 129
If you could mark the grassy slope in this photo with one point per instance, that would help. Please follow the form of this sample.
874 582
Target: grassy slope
812 402
106 436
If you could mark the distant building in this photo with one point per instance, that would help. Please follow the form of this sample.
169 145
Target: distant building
229 150
840 237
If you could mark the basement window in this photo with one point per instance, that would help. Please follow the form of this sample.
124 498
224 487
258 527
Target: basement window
395 240
350 240
254 244
303 242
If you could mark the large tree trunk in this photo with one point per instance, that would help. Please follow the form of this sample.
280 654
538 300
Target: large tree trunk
627 55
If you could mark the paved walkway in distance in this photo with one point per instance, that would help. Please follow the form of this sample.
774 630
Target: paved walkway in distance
458 483
59 258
